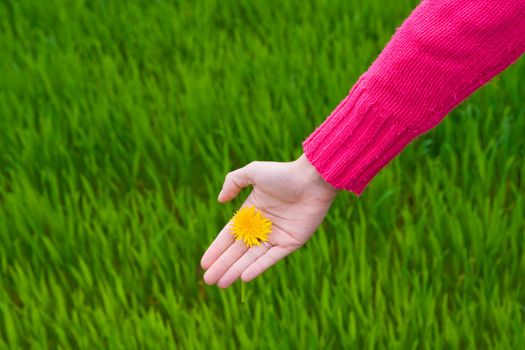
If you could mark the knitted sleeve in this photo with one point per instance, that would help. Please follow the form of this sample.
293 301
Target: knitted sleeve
444 51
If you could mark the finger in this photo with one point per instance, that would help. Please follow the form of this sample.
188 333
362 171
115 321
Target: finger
235 271
223 240
223 263
235 181
264 262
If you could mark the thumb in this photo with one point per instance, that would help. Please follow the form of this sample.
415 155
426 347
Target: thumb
235 181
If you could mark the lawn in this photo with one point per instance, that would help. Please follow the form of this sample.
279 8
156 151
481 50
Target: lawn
118 123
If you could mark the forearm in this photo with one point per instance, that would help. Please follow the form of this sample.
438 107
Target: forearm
443 52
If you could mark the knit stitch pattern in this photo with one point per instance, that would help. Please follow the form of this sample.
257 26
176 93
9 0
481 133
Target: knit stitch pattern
442 53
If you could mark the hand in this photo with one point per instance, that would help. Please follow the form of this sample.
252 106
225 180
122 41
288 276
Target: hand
292 195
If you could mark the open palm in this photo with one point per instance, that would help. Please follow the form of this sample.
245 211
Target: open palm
292 195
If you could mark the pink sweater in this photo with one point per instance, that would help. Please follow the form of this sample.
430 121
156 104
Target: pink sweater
442 53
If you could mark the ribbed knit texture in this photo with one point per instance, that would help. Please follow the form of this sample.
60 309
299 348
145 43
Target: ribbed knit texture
444 51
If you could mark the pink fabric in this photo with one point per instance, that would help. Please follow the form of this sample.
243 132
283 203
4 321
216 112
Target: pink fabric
444 51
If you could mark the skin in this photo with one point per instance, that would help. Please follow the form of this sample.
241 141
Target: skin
293 195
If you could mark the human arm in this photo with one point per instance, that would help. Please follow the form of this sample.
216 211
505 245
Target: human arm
442 53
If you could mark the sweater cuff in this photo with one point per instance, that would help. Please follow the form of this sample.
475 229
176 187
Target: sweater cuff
356 141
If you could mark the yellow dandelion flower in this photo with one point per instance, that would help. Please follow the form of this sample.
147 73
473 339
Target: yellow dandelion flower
250 225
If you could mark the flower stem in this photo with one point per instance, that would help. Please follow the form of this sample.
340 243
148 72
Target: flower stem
243 291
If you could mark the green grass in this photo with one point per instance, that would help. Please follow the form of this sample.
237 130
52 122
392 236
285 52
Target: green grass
118 122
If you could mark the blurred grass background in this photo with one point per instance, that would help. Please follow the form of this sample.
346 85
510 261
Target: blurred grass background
118 122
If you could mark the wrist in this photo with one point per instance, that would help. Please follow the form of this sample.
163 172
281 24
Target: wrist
308 171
